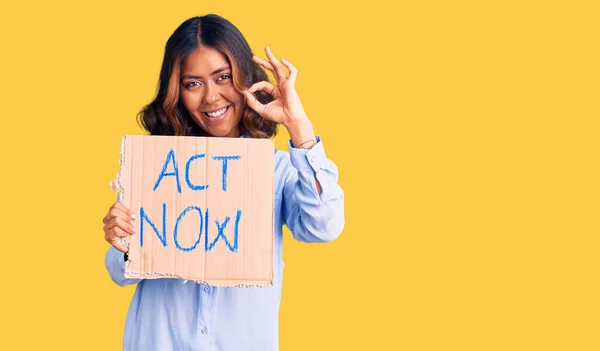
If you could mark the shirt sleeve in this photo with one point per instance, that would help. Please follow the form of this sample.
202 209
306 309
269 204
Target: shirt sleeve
309 216
115 264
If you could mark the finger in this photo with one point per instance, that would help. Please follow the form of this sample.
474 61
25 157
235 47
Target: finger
116 232
121 206
254 103
123 219
292 68
115 212
120 210
118 222
264 63
117 244
279 69
263 85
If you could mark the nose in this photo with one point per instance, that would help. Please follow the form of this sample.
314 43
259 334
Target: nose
212 94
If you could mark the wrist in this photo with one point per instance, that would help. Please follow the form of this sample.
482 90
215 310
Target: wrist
296 123
302 134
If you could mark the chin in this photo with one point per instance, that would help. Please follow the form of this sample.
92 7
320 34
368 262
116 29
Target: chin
219 133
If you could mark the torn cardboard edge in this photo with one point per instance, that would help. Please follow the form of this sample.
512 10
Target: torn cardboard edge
118 186
238 283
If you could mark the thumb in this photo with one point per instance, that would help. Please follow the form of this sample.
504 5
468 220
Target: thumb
254 103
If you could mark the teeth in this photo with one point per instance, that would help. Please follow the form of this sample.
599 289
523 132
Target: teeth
217 113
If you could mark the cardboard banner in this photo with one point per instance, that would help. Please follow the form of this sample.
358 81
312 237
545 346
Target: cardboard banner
204 208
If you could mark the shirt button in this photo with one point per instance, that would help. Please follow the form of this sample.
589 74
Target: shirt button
204 330
206 289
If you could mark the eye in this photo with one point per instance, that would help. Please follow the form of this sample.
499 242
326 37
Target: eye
224 76
192 84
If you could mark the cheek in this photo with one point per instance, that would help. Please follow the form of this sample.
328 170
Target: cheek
189 101
236 98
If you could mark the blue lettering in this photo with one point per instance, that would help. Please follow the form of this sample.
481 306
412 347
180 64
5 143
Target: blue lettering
170 156
185 249
204 221
143 216
225 159
221 234
187 173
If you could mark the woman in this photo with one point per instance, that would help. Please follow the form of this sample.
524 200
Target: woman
212 85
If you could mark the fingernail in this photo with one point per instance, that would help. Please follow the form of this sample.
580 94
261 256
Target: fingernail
133 216
132 222
133 229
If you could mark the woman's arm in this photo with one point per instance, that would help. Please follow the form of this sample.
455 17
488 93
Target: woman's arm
313 212
115 264
119 223
313 202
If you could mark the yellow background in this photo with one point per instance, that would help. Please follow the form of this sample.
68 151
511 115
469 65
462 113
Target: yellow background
466 134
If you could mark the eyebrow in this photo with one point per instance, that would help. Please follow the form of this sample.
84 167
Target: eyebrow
188 76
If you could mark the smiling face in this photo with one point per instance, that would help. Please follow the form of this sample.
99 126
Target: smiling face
208 94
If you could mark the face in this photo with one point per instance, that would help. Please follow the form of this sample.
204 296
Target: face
208 94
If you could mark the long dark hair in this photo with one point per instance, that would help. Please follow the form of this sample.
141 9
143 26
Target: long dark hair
167 115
